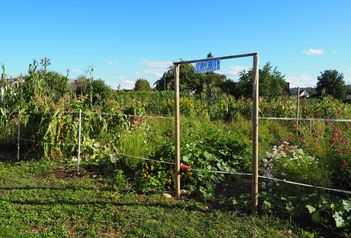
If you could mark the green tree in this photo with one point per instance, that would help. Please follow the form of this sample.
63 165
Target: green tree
189 81
348 89
331 82
272 82
81 85
100 90
54 84
230 87
96 87
142 85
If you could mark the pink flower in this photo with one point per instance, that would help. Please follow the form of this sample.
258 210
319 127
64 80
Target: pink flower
328 122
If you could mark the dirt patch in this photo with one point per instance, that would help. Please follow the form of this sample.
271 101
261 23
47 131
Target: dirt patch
36 230
234 188
60 172
67 173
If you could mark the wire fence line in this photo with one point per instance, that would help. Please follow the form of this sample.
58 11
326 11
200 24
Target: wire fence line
131 115
99 113
208 171
48 143
306 185
79 144
304 119
172 117
143 158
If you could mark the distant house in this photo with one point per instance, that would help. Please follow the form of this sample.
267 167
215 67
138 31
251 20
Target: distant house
304 94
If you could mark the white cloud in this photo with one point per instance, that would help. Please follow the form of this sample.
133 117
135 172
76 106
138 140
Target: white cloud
114 86
122 82
154 72
112 62
75 71
155 64
235 70
127 84
349 69
153 68
313 52
302 81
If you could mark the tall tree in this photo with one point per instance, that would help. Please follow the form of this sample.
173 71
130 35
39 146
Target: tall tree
142 85
331 82
272 82
348 89
81 85
100 90
189 81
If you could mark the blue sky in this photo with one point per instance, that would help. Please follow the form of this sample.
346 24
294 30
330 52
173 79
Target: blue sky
127 40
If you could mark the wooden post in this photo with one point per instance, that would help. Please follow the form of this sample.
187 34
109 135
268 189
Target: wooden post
79 139
177 127
304 106
310 125
254 119
255 97
19 137
297 105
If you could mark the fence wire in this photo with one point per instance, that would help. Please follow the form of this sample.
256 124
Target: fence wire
210 171
202 170
100 113
304 119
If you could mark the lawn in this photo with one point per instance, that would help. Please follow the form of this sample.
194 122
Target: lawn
47 199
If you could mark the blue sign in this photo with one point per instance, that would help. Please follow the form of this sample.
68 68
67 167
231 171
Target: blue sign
207 66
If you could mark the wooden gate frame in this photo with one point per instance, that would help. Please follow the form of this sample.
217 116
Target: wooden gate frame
255 96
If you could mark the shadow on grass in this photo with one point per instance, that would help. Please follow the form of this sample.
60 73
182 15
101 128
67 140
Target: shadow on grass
160 204
75 188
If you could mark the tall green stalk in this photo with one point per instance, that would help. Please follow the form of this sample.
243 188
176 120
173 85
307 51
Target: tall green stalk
3 75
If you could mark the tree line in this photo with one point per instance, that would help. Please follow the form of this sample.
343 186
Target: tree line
272 82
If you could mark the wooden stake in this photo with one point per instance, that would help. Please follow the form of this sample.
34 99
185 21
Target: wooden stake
79 139
19 137
298 105
177 127
311 126
255 96
254 120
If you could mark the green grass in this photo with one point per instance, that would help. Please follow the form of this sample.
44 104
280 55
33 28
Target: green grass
44 199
